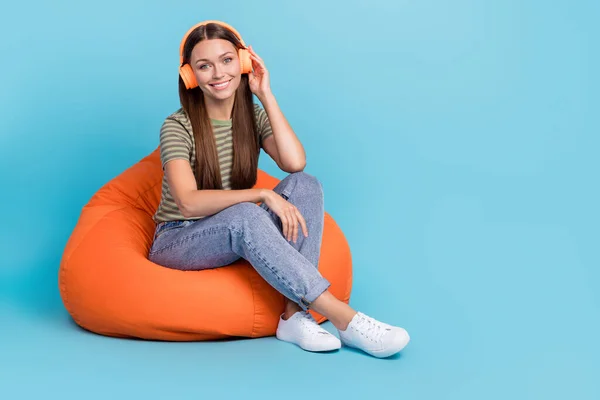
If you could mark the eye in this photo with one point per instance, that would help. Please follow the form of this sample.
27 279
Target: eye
202 66
229 58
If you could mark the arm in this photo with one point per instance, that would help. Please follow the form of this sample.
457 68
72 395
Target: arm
283 146
194 203
175 153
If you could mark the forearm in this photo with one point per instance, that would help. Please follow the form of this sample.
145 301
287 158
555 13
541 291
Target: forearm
201 203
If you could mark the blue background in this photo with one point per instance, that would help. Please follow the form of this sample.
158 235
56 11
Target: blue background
457 142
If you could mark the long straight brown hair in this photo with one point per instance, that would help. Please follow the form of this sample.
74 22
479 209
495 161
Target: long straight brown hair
244 127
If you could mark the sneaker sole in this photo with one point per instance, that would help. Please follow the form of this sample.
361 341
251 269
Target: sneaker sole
384 353
315 349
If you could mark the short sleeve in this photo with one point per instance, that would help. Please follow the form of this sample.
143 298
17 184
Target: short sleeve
175 142
263 123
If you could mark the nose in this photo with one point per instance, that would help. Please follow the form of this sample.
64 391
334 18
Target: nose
217 72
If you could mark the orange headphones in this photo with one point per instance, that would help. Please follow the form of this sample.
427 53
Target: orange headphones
185 70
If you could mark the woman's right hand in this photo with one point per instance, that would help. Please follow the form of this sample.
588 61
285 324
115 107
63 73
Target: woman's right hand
288 213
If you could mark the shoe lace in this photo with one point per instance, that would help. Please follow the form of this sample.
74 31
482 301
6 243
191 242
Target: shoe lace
311 324
371 328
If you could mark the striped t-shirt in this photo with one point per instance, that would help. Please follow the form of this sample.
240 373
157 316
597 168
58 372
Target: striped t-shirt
177 142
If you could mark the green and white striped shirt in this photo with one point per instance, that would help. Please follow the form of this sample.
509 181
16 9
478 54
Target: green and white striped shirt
177 142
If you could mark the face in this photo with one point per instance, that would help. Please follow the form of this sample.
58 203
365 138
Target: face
216 61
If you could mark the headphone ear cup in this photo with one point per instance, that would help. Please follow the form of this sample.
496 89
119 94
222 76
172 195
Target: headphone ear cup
188 77
245 61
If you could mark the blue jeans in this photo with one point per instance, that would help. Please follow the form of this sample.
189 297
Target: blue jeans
247 230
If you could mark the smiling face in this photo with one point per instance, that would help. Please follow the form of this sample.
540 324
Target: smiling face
216 61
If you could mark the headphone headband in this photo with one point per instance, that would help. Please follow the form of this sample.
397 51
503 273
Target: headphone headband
231 28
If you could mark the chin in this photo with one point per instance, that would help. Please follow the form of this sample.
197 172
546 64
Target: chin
223 96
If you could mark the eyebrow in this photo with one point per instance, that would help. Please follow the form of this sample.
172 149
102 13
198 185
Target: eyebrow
224 54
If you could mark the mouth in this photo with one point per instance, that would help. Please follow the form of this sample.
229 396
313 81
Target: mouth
221 85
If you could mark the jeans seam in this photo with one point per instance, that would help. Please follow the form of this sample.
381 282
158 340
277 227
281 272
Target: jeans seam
206 232
318 281
218 229
165 230
273 270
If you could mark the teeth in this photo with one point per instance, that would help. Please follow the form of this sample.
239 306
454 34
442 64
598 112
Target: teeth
221 84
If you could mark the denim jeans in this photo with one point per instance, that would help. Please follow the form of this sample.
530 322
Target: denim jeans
247 230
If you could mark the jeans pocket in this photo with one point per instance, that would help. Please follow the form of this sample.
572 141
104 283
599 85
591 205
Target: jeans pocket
171 225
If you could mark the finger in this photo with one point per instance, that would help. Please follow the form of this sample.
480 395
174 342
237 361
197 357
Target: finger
283 222
303 223
296 221
258 60
292 221
285 225
256 65
294 225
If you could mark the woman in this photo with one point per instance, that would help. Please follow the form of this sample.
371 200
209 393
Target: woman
209 215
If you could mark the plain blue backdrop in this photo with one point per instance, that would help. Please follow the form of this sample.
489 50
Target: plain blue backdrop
457 143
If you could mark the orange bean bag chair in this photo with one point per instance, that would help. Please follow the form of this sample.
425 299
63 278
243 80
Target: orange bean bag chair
109 286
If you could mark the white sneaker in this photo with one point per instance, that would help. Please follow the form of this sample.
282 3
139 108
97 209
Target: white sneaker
302 329
374 337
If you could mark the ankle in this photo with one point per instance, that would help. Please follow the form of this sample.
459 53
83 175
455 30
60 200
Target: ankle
344 320
287 315
291 308
339 313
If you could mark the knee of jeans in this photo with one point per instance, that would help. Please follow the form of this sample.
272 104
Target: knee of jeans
309 182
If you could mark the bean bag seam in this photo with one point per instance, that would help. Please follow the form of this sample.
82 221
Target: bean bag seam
252 333
143 193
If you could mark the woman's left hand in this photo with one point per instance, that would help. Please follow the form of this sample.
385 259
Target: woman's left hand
258 79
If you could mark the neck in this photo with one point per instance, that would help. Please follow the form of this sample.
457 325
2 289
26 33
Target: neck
219 109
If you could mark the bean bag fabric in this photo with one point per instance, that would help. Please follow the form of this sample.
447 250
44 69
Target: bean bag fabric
109 286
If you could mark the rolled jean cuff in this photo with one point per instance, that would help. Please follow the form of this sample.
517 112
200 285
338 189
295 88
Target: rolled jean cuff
315 291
